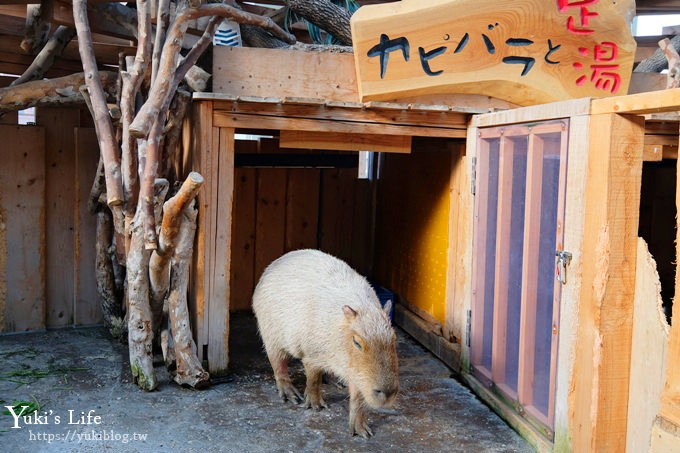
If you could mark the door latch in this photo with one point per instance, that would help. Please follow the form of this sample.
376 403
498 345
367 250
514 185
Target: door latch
563 260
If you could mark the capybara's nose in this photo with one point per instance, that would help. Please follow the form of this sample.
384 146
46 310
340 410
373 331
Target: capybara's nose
385 394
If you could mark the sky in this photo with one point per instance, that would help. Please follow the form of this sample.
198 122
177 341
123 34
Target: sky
652 25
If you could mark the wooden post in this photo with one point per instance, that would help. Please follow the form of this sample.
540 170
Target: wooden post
598 398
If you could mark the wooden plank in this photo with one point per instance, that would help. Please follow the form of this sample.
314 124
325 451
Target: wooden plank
530 255
641 103
361 249
22 228
459 235
577 169
534 113
218 339
484 49
665 437
235 120
345 142
202 143
643 82
601 370
60 185
649 353
330 211
508 154
284 73
403 116
243 239
271 217
87 309
302 208
480 173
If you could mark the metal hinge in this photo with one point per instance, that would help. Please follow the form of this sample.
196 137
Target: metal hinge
563 260
473 181
468 328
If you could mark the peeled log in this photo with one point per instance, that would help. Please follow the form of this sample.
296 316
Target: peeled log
140 332
53 92
111 306
189 370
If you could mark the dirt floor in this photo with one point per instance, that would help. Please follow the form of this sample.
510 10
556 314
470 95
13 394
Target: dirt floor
78 373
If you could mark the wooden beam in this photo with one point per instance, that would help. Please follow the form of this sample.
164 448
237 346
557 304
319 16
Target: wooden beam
345 142
225 119
641 103
599 388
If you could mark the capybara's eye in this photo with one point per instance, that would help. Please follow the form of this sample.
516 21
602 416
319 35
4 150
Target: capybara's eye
356 343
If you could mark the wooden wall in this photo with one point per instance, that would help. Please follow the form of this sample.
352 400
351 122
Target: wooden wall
46 233
412 226
280 208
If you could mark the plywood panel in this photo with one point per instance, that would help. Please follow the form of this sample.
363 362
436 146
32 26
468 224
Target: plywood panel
271 217
60 164
87 304
329 211
243 239
362 225
22 227
302 208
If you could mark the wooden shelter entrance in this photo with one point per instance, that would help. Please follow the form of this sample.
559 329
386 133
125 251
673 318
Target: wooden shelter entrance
314 125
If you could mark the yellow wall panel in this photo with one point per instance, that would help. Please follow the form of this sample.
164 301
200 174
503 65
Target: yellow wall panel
412 233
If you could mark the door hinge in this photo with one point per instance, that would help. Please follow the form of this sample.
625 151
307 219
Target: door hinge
468 328
473 179
563 260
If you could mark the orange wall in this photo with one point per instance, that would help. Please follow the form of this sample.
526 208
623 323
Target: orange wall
412 226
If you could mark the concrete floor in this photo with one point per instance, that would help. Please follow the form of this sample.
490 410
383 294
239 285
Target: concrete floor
83 371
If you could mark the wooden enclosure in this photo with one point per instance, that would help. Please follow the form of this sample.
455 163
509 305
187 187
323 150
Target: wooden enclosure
46 234
588 362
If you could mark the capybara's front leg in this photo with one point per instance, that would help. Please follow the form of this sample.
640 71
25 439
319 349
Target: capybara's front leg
287 390
357 415
313 397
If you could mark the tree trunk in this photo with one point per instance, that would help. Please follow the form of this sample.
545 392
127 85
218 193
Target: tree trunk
189 370
325 15
111 305
43 61
140 331
657 62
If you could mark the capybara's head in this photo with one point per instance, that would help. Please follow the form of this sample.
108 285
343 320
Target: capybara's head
372 347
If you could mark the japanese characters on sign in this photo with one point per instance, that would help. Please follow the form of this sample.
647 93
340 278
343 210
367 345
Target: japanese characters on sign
560 48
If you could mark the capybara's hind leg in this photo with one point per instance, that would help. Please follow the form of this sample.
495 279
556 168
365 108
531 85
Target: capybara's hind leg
287 391
313 399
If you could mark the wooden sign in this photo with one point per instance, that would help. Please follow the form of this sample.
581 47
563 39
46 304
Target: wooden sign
523 51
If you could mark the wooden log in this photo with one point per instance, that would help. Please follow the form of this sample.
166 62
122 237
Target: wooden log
111 306
140 332
54 92
107 144
43 61
37 29
326 15
165 85
189 370
162 23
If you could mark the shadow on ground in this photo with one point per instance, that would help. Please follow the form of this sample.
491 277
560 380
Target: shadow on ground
73 373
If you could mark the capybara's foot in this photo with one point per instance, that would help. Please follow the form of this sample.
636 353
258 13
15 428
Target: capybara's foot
314 401
358 425
288 392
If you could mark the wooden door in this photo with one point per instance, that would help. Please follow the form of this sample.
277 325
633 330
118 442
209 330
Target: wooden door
519 213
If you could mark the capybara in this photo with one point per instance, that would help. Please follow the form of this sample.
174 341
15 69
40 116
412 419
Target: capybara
314 307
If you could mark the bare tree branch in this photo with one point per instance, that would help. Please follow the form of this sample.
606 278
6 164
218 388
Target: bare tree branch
43 61
162 22
326 15
37 30
62 91
164 88
103 124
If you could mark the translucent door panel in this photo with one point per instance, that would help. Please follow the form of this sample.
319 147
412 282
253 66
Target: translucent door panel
520 179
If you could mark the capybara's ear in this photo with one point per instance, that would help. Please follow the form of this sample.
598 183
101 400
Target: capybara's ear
387 308
349 312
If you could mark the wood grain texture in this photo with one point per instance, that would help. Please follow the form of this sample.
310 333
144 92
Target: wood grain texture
345 142
22 228
60 186
508 50
87 309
